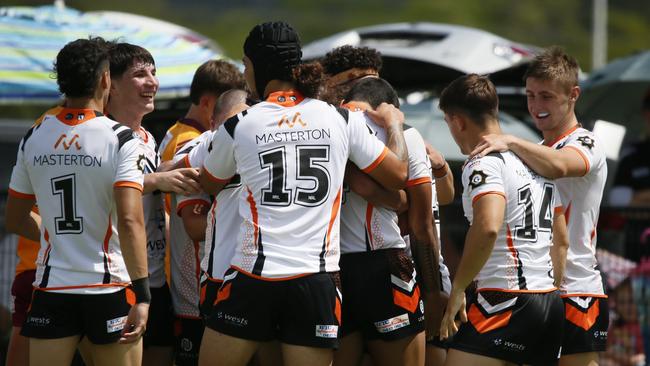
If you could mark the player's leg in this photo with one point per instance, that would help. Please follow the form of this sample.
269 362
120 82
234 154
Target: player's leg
219 349
300 355
435 355
21 290
84 351
459 358
52 352
269 354
158 339
114 354
580 359
405 351
350 351
18 349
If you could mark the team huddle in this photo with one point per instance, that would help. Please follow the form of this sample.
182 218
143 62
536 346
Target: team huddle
291 217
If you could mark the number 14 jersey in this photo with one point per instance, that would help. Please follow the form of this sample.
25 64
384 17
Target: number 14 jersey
520 260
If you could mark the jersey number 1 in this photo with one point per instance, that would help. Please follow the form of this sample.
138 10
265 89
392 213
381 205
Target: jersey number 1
68 222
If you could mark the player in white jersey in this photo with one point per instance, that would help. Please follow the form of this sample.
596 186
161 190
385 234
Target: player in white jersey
290 152
573 156
133 90
83 171
383 302
507 249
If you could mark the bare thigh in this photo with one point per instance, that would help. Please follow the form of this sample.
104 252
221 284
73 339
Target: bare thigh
407 351
218 349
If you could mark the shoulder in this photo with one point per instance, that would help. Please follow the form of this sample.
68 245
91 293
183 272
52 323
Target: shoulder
120 132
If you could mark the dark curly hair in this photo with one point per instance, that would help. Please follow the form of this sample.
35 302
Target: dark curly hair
308 78
79 65
125 55
347 57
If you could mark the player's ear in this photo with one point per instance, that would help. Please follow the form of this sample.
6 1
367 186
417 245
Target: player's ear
574 94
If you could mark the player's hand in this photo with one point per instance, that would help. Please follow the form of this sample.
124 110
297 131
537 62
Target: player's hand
455 306
436 158
434 307
490 143
183 181
386 115
136 323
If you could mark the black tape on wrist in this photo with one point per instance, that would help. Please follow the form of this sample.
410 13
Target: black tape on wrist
141 290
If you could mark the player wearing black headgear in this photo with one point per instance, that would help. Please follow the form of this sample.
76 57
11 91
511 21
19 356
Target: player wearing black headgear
290 151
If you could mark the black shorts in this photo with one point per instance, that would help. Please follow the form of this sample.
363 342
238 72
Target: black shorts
585 326
21 290
303 311
160 325
188 333
209 289
57 315
382 297
515 327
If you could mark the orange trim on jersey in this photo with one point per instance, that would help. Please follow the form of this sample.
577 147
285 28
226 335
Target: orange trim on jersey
146 136
46 254
268 278
583 156
418 181
124 183
565 134
476 198
186 161
584 320
197 263
24 196
286 98
517 291
50 112
485 324
407 302
333 215
377 161
337 310
253 207
369 209
511 247
601 296
115 284
567 213
27 251
179 145
130 296
182 205
107 238
73 117
558 209
592 236
223 293
202 291
215 179
215 280
354 107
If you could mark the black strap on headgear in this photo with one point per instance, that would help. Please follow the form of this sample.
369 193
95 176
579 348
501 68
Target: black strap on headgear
274 49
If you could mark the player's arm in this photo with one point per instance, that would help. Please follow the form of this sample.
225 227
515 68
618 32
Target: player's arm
560 247
20 219
194 213
180 181
489 211
546 161
443 176
219 165
392 170
371 191
425 248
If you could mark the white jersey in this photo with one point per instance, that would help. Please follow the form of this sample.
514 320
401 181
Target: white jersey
581 198
70 163
291 155
365 227
223 218
185 253
154 216
520 260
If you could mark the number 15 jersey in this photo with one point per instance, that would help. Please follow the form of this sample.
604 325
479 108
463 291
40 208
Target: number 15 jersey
520 259
70 164
291 153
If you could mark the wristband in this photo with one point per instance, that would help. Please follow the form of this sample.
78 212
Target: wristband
141 289
440 172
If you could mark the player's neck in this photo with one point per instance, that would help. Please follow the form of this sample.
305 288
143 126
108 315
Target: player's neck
131 119
569 124
195 113
490 128
278 85
84 103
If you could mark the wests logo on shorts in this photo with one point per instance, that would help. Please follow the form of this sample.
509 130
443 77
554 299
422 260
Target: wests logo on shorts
327 331
38 321
389 325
